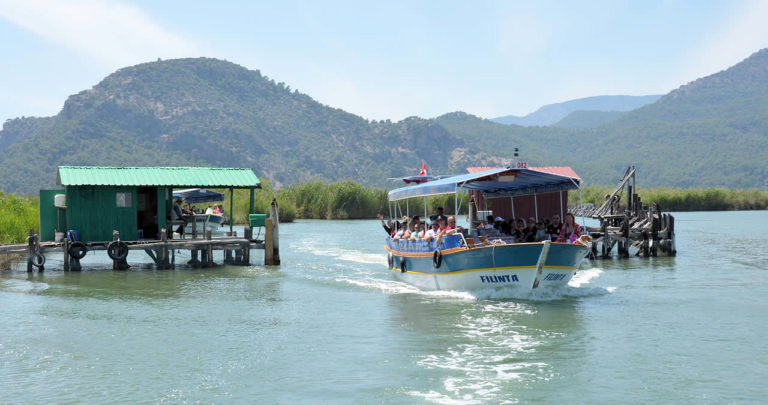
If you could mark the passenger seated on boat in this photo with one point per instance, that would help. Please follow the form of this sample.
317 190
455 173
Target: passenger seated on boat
209 210
541 231
432 232
388 226
439 215
451 227
417 232
216 210
518 230
554 227
529 233
571 230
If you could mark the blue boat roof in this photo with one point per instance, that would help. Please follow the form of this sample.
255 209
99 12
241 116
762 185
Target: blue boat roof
501 182
198 195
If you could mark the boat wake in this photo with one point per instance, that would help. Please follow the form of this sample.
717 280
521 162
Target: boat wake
316 247
492 351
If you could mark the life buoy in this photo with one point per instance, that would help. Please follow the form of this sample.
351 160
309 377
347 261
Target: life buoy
402 264
37 259
77 250
437 258
117 250
391 260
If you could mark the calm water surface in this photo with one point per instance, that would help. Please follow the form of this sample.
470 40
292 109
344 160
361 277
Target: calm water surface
330 326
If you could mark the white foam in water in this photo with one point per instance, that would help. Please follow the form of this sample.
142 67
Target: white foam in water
490 352
312 246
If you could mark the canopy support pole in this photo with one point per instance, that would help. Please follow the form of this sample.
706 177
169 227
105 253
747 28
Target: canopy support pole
250 206
231 206
536 206
512 203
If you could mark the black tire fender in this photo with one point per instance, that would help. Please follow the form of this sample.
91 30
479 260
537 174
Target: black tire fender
402 264
37 259
77 250
117 250
437 258
391 260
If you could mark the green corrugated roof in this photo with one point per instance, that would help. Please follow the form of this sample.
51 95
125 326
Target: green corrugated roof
156 176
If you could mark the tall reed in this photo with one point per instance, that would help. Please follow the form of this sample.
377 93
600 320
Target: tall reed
17 215
681 199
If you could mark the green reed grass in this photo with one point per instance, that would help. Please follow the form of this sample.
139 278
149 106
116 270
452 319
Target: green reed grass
681 199
17 215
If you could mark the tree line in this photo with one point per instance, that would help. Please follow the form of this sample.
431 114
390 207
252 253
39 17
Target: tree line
350 200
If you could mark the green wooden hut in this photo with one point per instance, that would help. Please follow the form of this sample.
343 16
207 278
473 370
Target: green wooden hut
99 200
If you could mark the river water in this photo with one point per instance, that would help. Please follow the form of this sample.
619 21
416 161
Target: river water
330 326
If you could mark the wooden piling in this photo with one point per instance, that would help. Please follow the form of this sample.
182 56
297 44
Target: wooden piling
66 254
30 249
246 250
269 252
210 247
274 214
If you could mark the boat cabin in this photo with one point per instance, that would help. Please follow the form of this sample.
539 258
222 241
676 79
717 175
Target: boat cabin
539 203
136 201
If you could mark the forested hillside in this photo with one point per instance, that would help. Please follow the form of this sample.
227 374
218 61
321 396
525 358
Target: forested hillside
711 132
212 112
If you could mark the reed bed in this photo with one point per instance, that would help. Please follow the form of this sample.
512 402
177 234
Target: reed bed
681 199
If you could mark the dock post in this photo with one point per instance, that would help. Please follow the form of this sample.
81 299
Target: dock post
163 250
274 214
30 249
210 247
66 253
269 251
247 245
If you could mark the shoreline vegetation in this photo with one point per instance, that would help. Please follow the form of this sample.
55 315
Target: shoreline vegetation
350 200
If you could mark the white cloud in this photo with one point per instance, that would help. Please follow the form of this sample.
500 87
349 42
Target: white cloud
110 32
741 34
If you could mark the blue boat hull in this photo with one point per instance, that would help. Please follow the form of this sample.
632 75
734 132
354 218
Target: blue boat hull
520 265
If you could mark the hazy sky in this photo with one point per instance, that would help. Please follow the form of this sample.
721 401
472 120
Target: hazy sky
384 59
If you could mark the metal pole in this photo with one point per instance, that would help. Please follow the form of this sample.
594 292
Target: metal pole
536 206
231 205
562 216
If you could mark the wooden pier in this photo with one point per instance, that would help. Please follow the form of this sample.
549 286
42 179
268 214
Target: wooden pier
236 250
630 226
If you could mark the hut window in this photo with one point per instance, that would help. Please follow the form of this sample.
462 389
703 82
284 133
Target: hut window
124 200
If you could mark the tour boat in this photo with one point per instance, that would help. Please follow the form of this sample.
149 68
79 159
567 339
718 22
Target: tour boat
467 261
200 222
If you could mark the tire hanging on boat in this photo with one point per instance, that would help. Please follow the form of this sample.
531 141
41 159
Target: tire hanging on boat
402 264
437 258
390 260
117 250
77 250
37 259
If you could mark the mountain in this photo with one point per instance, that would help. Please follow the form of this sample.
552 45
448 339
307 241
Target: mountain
710 132
588 119
212 112
552 113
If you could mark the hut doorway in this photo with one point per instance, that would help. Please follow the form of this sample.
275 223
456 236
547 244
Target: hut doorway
146 213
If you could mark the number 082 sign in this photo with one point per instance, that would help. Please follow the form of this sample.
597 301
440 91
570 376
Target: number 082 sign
521 165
